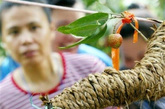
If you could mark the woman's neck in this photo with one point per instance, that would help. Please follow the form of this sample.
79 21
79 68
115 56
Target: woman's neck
39 76
38 72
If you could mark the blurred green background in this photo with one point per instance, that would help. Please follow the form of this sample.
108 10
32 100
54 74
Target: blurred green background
116 6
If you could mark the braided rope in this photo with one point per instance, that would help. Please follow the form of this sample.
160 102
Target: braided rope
116 88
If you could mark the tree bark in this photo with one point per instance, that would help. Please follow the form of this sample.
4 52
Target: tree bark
119 88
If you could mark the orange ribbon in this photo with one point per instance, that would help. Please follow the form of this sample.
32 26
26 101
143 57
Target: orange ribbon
135 35
115 58
115 52
128 17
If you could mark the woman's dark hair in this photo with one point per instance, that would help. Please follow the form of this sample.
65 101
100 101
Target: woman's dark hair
7 5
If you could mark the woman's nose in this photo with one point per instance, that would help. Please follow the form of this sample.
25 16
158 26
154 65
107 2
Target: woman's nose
26 37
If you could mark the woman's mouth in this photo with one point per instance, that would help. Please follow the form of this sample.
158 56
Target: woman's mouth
30 53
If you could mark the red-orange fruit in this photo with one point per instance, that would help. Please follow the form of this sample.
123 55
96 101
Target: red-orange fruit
115 40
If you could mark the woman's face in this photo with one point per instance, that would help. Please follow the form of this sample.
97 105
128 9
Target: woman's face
26 34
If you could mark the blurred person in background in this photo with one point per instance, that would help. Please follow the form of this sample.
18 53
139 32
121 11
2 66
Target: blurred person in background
63 18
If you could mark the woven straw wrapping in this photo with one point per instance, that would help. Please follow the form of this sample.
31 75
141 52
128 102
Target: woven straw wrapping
120 88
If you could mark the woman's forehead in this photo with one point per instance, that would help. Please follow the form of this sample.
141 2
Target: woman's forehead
22 14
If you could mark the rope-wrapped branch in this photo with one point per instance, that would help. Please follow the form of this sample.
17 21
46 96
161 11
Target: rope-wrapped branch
116 88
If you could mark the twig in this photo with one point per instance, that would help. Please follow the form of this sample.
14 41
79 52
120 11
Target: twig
51 6
155 20
73 9
139 32
149 19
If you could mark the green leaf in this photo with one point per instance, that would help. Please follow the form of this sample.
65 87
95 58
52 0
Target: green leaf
101 8
85 26
93 37
96 37
85 30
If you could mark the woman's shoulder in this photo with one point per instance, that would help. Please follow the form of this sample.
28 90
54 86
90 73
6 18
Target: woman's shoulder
6 82
6 79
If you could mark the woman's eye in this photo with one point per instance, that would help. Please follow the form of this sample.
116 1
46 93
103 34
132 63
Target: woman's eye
34 28
14 32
